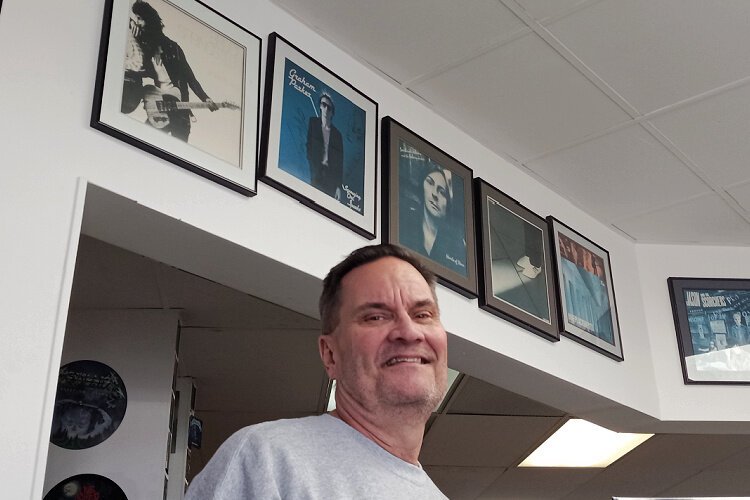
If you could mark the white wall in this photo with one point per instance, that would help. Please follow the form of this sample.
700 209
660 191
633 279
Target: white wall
140 346
656 264
49 63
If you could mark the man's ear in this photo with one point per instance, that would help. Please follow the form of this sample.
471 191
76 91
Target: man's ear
326 349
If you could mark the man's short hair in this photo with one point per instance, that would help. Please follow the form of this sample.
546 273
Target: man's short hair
330 298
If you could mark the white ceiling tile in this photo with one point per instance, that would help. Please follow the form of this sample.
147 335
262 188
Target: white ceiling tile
712 132
619 174
533 483
659 463
407 39
271 371
703 220
655 53
741 194
208 303
110 277
726 478
735 461
482 440
477 397
462 483
544 9
713 484
521 98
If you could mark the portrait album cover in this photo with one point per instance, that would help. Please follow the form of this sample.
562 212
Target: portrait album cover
428 206
712 321
586 296
181 81
319 139
516 278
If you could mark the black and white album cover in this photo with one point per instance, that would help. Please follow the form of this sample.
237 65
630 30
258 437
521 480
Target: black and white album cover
181 81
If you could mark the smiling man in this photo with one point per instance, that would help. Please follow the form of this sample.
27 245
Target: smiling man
385 346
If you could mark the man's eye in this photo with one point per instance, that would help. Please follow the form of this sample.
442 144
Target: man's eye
375 317
423 315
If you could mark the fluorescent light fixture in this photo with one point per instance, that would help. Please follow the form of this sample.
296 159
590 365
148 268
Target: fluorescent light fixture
452 375
579 443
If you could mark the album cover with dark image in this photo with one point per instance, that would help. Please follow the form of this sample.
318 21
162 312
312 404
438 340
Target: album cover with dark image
89 406
86 486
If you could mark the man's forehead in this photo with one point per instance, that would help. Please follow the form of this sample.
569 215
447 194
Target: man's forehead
385 277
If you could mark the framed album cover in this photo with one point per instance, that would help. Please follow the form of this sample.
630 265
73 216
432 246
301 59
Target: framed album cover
586 296
180 81
516 278
712 321
428 206
319 139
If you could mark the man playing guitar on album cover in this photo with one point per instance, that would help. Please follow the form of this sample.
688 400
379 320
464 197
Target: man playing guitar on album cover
151 54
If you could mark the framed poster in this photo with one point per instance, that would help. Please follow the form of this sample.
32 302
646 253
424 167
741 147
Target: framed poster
180 81
516 278
712 320
586 296
89 406
428 206
195 432
319 142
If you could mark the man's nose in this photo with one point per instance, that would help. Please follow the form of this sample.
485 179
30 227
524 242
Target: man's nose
405 329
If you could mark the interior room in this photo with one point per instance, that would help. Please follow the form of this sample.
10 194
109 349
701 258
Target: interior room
473 443
185 273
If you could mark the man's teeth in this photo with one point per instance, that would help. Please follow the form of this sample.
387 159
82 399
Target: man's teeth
394 361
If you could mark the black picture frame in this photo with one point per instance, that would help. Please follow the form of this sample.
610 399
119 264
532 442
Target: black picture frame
585 291
338 180
409 162
713 345
516 275
208 54
195 432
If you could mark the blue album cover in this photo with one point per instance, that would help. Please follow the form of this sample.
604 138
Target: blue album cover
587 301
718 319
322 137
431 209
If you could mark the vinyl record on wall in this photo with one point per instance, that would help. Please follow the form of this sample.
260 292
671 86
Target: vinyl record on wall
90 405
86 486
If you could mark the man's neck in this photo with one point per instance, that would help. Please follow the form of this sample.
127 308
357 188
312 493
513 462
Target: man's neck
398 432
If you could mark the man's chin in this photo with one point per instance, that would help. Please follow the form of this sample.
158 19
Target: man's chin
416 397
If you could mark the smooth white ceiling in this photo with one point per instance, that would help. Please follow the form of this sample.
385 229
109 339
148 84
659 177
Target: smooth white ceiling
254 361
636 111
